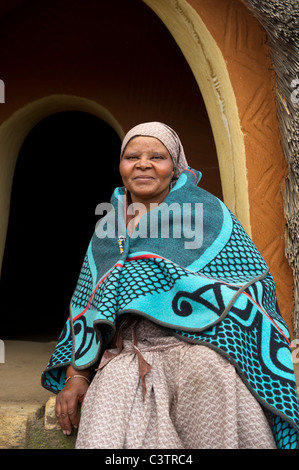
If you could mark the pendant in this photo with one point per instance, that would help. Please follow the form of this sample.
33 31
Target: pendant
121 244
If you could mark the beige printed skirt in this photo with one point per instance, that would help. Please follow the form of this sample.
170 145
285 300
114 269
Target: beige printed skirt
182 396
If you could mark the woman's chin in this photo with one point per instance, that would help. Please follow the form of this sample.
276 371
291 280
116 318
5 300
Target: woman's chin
145 191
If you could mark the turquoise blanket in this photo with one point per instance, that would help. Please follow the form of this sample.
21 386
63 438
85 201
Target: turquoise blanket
199 276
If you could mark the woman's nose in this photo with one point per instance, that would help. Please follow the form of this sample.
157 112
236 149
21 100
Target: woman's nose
144 163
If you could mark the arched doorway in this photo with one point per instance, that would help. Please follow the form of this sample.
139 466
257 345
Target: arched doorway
67 165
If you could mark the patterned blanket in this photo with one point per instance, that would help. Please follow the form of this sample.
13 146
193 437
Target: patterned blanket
191 268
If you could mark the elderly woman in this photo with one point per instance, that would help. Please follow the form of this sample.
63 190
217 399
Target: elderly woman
173 343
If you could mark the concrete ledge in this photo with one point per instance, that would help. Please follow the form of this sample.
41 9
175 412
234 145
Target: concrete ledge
26 427
13 423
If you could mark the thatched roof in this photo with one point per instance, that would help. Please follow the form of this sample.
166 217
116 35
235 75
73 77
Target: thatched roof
280 19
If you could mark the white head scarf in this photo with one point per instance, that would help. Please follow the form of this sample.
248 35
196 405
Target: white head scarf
169 139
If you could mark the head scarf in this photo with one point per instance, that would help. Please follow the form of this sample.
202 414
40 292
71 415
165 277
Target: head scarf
169 139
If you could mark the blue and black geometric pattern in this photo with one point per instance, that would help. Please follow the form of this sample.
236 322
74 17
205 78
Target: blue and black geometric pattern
228 304
84 287
239 260
240 338
142 277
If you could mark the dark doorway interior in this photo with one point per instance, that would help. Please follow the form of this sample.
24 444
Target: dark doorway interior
67 165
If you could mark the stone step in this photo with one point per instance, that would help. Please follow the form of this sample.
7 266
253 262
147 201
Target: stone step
14 419
32 427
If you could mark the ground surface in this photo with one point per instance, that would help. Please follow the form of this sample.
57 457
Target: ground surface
23 399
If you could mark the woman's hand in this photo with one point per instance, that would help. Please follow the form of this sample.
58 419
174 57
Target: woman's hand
67 402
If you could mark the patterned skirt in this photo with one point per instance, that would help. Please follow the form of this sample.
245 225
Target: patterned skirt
163 393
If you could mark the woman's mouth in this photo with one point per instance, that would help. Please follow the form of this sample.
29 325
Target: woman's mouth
143 178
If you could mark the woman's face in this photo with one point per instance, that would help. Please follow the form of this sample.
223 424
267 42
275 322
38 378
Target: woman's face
146 169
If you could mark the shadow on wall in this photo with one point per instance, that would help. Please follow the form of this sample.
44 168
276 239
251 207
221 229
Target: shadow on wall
67 165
